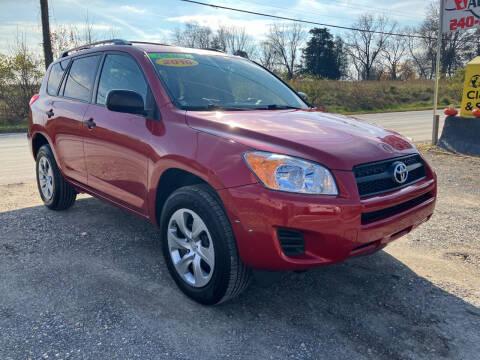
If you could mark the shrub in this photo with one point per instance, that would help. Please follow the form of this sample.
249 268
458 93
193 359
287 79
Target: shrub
20 77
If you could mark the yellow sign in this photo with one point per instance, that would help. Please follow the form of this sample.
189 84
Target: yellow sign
471 88
178 62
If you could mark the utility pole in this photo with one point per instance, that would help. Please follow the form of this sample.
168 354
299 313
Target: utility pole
47 44
436 117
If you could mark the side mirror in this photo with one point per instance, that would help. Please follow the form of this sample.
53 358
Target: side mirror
302 95
125 101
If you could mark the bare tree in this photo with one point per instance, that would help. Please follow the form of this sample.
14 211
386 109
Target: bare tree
88 32
364 47
393 54
234 39
219 41
286 41
231 39
423 50
419 51
193 35
267 55
237 39
111 33
456 48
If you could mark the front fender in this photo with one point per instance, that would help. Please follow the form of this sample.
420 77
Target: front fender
216 160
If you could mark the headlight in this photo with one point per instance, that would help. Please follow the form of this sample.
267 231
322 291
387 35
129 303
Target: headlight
286 173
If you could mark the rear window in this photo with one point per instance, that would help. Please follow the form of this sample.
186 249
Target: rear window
81 78
55 77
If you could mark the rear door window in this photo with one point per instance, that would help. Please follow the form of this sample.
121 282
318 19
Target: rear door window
120 72
55 77
81 77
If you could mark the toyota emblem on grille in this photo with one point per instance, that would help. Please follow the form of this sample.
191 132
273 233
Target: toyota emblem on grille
400 172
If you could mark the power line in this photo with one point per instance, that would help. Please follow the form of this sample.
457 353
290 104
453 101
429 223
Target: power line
305 21
292 11
358 7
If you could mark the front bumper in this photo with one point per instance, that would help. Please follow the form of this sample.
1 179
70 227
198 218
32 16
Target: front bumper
332 226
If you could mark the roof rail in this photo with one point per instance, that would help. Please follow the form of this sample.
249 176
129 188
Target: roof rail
213 49
148 42
154 43
103 42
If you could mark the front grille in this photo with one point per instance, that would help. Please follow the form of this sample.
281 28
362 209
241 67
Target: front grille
291 241
376 178
384 213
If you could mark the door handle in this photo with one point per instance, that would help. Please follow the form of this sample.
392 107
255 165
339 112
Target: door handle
50 113
90 123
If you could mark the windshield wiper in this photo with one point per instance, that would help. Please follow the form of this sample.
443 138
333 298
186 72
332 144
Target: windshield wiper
211 107
277 107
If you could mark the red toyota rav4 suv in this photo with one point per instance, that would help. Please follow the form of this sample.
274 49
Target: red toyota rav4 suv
232 165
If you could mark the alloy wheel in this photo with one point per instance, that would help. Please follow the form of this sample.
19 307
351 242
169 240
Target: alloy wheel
45 178
191 248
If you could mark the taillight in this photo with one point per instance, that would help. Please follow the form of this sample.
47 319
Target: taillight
33 99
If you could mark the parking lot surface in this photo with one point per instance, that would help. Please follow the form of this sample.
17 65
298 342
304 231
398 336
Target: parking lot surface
90 283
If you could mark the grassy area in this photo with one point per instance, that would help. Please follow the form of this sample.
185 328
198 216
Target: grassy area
377 96
13 128
386 110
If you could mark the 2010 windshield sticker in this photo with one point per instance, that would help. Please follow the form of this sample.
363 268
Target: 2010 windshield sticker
170 55
178 62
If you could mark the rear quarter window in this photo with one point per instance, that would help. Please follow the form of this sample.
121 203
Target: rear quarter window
55 76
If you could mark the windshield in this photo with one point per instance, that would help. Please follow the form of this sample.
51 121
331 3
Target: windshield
209 82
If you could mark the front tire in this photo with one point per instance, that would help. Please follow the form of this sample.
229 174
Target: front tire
55 192
199 246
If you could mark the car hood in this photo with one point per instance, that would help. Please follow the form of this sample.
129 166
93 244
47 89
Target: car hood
336 141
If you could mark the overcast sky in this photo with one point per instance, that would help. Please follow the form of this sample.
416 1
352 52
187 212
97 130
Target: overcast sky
154 20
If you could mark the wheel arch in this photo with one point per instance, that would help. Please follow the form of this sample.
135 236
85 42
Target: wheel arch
171 180
38 140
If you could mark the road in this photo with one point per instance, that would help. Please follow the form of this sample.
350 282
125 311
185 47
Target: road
416 125
15 159
17 163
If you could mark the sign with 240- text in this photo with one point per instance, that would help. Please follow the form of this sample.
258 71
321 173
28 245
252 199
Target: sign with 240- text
460 15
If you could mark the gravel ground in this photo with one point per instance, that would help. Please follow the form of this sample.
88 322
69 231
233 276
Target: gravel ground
90 283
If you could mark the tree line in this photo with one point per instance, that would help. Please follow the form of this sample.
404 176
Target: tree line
373 53
288 49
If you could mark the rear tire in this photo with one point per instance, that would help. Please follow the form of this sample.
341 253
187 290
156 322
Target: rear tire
204 262
55 192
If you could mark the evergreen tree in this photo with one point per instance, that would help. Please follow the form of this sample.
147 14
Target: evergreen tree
324 56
